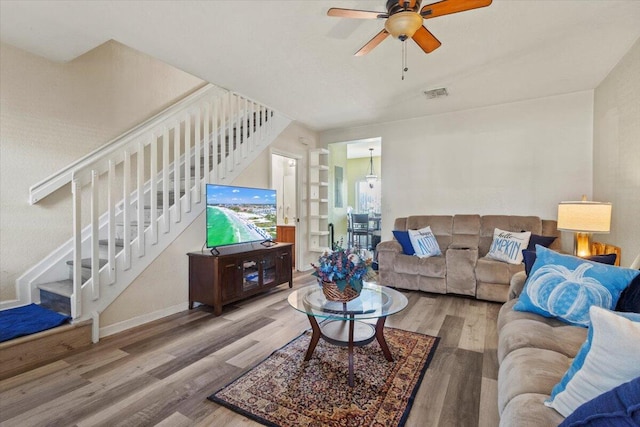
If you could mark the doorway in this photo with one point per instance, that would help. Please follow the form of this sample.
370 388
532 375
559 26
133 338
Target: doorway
284 179
360 192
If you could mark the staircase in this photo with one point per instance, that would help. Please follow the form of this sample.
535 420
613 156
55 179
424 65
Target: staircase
135 195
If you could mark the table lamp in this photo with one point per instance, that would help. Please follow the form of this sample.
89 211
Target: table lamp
584 218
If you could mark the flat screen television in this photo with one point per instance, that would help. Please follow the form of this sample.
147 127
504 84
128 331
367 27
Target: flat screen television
238 215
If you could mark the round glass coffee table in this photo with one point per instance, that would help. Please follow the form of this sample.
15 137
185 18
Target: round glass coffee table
343 324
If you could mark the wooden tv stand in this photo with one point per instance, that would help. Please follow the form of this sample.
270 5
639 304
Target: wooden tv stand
217 280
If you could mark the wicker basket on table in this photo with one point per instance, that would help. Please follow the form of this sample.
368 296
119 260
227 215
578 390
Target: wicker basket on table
333 293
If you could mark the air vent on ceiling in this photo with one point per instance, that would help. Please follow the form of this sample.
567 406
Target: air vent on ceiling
436 93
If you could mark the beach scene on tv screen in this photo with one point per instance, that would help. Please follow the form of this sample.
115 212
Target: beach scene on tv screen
238 215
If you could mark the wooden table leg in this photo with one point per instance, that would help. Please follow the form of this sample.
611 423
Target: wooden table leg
381 340
315 337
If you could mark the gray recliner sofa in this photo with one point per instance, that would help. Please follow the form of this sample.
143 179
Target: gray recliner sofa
463 267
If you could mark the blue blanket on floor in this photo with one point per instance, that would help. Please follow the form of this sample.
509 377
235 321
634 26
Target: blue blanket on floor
32 318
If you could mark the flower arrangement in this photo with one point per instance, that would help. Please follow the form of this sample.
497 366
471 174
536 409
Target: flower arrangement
342 267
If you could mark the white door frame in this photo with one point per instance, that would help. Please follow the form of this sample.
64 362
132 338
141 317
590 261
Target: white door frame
298 158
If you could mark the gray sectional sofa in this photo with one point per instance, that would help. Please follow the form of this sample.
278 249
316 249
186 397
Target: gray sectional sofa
534 352
463 267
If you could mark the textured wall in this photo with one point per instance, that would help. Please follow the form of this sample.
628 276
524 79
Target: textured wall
51 114
616 152
521 159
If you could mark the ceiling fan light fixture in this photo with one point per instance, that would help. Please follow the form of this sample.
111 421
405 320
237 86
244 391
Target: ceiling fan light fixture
403 25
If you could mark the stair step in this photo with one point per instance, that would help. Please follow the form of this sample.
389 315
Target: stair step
160 198
55 302
86 262
134 223
33 351
105 242
56 296
62 287
171 193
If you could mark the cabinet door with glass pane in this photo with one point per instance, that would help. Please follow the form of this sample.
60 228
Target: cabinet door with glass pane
250 274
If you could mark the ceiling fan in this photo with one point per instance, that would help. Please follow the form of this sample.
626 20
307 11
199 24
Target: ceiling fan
403 20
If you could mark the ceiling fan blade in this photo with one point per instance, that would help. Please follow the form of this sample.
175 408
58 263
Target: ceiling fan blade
375 41
427 41
356 14
446 7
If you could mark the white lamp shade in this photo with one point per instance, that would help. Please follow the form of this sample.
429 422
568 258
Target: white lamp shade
586 217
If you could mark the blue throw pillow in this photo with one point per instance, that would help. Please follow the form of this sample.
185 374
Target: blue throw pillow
565 286
535 239
529 258
403 238
618 407
630 298
607 359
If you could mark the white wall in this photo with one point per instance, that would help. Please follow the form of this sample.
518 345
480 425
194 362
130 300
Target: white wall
616 175
52 114
520 158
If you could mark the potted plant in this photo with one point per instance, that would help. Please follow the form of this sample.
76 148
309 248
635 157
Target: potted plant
341 273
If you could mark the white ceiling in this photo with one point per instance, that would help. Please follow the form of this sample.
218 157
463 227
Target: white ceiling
292 57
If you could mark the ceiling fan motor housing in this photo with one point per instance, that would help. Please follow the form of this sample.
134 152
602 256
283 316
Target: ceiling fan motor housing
395 6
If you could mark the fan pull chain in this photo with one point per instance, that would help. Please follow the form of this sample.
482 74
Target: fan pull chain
404 59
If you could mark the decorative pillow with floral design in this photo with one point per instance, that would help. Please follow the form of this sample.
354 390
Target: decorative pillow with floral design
565 287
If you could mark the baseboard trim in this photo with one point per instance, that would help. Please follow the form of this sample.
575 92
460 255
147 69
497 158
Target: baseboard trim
6 305
141 320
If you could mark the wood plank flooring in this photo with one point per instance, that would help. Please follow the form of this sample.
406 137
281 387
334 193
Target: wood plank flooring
160 374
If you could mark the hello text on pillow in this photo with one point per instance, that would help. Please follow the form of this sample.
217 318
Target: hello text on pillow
507 246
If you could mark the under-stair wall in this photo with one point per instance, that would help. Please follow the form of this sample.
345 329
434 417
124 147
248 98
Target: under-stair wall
132 198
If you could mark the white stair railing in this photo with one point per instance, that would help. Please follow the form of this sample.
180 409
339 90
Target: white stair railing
171 150
137 195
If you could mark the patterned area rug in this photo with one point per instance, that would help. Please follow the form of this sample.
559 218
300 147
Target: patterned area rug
284 390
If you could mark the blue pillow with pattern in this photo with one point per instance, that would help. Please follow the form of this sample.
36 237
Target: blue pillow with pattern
565 287
529 257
